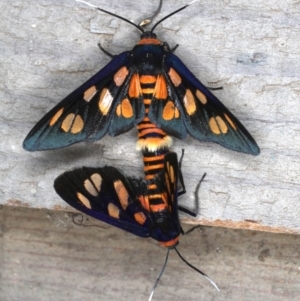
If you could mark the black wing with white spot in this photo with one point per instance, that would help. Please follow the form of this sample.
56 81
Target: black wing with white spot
191 108
99 106
105 194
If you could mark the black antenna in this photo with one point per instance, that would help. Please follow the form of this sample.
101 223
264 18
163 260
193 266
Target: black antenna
107 12
197 270
144 22
171 14
184 260
159 276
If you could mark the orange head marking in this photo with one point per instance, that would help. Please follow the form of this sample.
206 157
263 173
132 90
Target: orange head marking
171 243
149 38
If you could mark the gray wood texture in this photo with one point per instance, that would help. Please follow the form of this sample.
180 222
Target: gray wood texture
48 48
44 257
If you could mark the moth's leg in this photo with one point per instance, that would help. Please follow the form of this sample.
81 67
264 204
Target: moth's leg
105 51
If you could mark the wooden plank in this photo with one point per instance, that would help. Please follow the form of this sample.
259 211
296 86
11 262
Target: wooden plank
49 48
45 257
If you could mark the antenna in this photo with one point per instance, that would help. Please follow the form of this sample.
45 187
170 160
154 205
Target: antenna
144 22
185 261
171 14
117 16
159 276
197 270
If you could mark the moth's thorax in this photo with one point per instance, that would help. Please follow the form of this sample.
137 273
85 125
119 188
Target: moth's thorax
167 232
148 58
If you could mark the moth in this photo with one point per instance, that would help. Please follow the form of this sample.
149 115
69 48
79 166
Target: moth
148 87
108 195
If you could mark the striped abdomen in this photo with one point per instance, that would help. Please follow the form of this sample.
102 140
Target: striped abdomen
153 141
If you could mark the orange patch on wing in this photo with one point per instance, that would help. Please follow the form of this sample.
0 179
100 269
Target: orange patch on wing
77 125
122 193
83 200
160 90
90 187
72 123
170 111
217 125
105 101
113 210
189 102
168 183
118 110
201 97
89 93
134 87
147 79
171 174
149 41
97 180
230 122
67 122
175 78
144 202
140 217
56 117
120 76
127 110
93 185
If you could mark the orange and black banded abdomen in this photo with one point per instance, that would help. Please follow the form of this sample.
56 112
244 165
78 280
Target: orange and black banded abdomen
153 142
150 137
156 200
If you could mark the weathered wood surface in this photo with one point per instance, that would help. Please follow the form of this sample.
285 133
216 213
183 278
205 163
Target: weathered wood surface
48 48
50 259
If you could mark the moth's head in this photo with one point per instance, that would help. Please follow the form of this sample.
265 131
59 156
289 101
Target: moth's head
171 244
148 37
166 229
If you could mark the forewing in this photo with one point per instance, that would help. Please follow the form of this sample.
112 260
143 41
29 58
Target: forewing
105 194
168 182
88 112
202 114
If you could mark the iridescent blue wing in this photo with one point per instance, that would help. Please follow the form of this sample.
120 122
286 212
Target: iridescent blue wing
191 108
99 106
105 194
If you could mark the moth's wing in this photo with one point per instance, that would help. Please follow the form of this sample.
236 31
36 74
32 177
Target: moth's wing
171 170
99 106
167 181
191 108
106 194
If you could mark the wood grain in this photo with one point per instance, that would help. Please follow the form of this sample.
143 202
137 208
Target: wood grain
44 257
48 48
